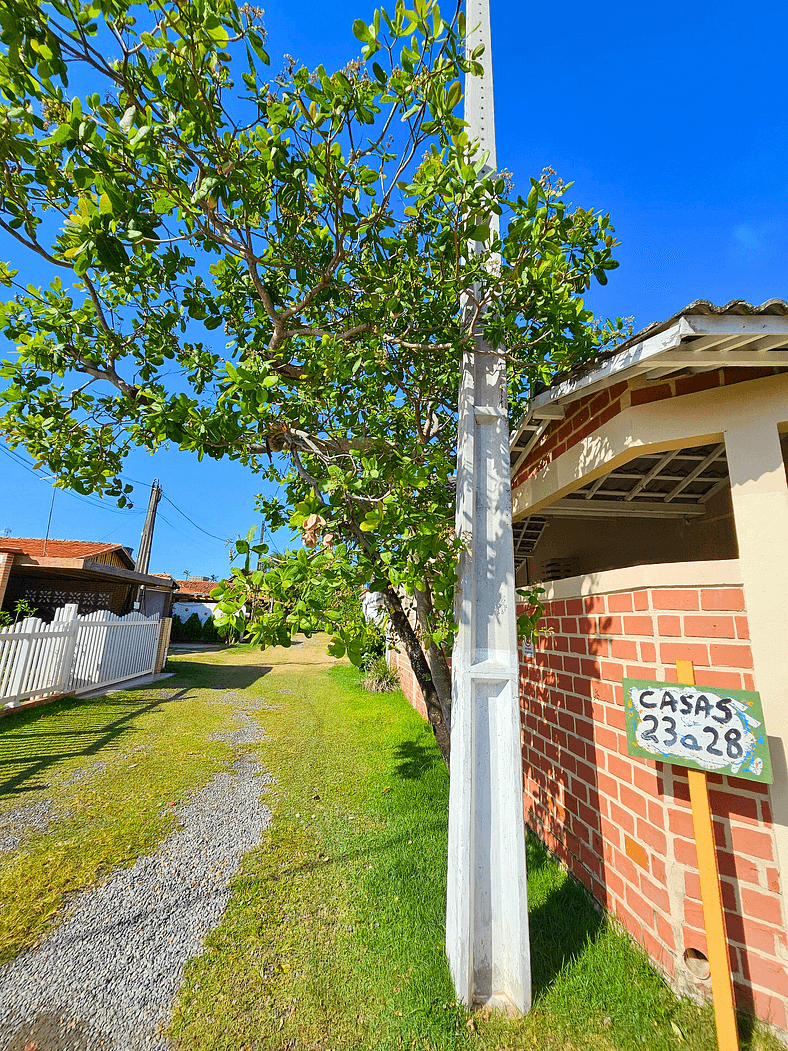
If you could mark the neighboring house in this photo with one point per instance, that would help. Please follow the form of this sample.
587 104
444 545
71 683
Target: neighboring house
47 574
194 596
650 491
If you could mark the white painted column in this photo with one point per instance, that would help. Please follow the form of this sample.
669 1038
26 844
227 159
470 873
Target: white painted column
487 896
760 506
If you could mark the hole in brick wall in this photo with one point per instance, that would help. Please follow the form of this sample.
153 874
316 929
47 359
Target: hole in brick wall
697 964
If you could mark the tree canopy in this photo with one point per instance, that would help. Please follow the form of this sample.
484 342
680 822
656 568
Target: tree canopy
271 268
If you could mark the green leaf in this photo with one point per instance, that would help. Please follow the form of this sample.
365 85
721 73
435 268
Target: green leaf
361 30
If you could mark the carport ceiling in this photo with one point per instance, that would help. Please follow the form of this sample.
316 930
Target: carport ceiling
669 484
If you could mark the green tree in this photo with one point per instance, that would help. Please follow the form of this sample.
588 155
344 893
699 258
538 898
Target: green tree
271 269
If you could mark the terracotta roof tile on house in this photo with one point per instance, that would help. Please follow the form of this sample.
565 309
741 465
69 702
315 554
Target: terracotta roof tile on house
195 587
34 546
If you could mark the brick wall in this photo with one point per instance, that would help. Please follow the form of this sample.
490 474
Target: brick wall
407 680
622 825
586 414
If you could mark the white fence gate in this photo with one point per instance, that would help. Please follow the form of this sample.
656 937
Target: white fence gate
74 654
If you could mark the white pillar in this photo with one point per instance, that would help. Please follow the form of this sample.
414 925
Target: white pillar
487 896
760 506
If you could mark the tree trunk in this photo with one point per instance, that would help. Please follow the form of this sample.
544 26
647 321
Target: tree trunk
421 669
439 667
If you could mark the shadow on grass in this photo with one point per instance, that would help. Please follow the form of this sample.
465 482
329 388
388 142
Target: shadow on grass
415 759
34 740
562 926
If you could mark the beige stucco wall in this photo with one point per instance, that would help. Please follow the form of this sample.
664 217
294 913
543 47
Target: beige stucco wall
600 544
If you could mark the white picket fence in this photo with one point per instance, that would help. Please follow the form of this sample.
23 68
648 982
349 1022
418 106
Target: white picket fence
74 654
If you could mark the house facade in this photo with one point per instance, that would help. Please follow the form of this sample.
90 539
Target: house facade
650 497
194 596
47 574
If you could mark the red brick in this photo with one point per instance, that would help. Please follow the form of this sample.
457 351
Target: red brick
730 656
657 951
767 973
632 800
742 627
648 652
645 395
629 922
578 645
643 909
610 625
752 842
622 818
602 691
693 384
647 780
685 853
709 627
675 599
641 671
594 604
569 625
623 650
620 768
692 885
658 895
615 717
607 738
612 672
693 914
763 907
721 680
680 823
638 626
670 652
669 626
665 932
743 807
588 625
574 607
749 932
653 836
640 600
722 599
620 603
599 647
738 867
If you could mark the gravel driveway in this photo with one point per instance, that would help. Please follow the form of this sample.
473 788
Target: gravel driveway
106 976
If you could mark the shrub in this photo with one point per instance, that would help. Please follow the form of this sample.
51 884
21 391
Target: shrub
176 635
192 629
210 632
378 676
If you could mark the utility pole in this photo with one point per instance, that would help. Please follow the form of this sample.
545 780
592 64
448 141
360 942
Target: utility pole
146 541
487 896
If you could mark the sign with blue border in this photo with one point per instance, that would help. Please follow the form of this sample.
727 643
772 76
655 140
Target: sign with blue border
721 731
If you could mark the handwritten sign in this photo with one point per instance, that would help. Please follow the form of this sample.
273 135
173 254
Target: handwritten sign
719 730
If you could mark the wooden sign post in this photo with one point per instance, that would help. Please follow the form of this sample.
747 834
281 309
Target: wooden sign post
711 895
702 730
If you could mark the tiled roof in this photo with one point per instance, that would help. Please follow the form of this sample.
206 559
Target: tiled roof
58 548
195 587
698 308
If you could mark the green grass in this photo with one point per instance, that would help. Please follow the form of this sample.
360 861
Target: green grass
333 938
139 754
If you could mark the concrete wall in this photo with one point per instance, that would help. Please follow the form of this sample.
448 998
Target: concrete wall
600 544
185 609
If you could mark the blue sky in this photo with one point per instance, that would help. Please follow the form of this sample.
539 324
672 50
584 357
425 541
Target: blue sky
672 117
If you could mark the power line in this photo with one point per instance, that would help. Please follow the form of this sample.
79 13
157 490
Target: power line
76 496
223 540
